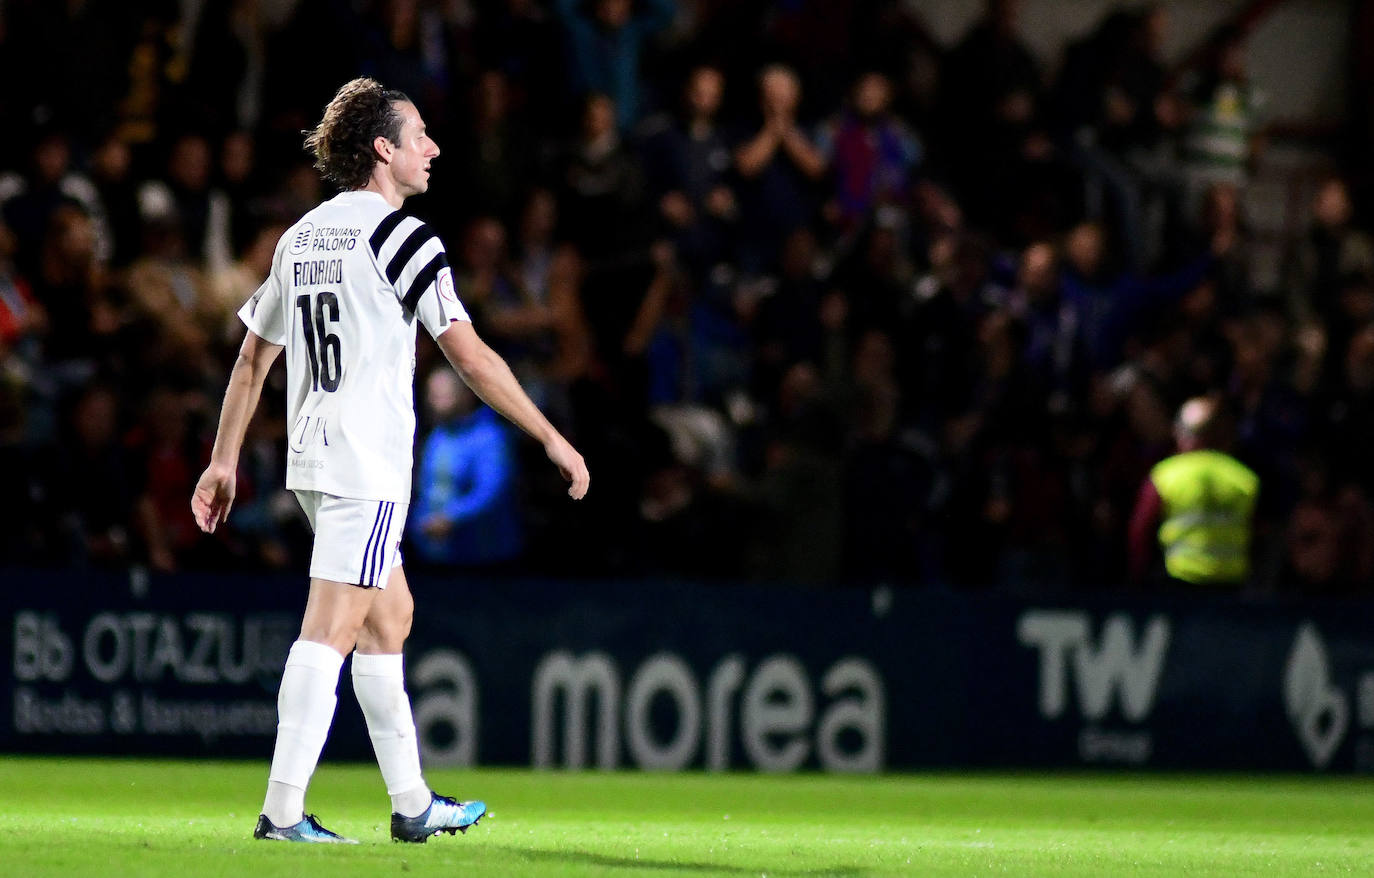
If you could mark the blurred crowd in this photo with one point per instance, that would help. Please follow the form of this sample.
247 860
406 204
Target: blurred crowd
916 314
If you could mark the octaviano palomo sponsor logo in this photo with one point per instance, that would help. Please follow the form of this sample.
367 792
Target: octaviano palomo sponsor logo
1319 711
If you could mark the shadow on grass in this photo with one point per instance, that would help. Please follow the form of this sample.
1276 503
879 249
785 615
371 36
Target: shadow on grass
609 862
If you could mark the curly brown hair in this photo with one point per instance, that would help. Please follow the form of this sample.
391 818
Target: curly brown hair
360 112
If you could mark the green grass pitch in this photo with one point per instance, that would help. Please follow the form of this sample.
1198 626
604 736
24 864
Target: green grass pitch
112 818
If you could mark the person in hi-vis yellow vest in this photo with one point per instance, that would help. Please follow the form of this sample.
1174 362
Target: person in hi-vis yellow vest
1200 502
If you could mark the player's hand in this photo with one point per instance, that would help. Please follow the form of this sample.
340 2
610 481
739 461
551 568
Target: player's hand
213 497
570 464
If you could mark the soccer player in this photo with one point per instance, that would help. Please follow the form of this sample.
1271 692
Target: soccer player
349 282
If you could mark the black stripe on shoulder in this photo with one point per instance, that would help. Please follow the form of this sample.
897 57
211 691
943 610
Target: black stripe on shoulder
423 280
384 230
409 248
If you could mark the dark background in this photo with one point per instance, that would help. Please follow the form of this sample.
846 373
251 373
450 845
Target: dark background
947 358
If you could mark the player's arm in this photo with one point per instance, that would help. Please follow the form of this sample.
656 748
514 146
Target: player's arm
491 379
214 493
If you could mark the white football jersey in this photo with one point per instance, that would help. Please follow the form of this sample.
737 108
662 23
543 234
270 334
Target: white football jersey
348 282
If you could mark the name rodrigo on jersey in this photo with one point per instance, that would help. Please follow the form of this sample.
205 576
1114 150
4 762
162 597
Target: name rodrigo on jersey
318 271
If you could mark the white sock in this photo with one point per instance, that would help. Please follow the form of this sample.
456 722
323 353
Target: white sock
305 710
379 683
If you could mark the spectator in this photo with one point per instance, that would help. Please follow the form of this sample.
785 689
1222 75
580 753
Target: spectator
226 290
938 328
1084 97
1054 352
1271 418
23 323
518 39
1114 303
22 319
162 453
687 164
601 187
147 73
1131 414
979 442
780 167
693 357
268 528
1347 412
1115 113
407 47
685 526
298 83
1222 226
71 285
875 274
888 479
1330 251
551 275
535 247
228 66
871 152
996 142
240 179
167 297
1137 108
800 535
1203 502
496 159
112 174
520 321
899 44
189 199
29 203
88 488
483 273
1330 536
996 375
466 512
785 315
605 39
1221 139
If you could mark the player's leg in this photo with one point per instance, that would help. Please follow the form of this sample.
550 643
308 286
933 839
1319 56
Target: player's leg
334 614
346 555
379 682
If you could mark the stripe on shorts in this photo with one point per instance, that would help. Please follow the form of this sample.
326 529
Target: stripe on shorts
367 549
379 550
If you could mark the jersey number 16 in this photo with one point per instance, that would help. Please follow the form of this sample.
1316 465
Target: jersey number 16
319 341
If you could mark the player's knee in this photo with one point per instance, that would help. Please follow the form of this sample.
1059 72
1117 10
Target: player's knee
403 626
387 633
399 625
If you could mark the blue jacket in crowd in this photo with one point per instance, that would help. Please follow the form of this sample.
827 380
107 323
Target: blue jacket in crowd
467 475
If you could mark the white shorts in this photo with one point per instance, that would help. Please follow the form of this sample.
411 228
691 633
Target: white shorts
356 541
